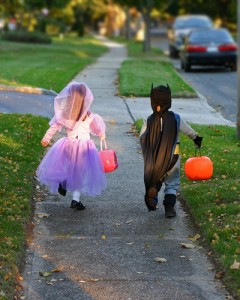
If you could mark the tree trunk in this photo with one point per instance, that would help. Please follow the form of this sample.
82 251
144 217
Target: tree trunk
147 20
127 24
147 38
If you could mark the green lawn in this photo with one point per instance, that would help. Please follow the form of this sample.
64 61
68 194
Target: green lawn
20 153
144 68
215 203
47 66
137 76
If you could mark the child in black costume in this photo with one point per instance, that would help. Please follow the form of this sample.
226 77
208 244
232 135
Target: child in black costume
160 147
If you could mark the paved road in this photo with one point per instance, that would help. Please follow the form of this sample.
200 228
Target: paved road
218 86
25 103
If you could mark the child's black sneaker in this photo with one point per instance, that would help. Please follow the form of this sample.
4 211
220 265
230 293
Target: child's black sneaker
170 211
61 190
77 205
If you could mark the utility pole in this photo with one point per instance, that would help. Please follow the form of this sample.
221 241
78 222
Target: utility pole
238 70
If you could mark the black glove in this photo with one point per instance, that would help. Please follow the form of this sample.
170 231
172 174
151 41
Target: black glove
198 141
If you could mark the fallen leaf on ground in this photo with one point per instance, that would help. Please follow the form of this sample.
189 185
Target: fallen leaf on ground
113 122
57 270
43 215
219 275
7 276
235 265
45 274
129 222
195 238
160 259
19 288
93 279
187 246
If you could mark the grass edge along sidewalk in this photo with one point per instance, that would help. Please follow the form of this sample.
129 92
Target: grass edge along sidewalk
19 156
214 205
31 65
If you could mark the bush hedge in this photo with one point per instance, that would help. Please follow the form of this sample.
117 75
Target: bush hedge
27 37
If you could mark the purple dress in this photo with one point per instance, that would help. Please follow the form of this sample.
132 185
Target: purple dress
73 161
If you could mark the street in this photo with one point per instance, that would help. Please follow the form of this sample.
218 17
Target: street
13 102
217 85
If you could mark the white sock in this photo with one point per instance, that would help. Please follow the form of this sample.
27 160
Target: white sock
76 196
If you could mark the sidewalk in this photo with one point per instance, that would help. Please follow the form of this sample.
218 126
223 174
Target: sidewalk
108 251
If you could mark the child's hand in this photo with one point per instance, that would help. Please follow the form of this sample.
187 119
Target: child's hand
198 141
102 137
44 143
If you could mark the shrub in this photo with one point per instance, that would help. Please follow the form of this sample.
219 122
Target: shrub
27 37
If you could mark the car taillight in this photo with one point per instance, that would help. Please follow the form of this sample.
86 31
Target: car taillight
196 48
227 47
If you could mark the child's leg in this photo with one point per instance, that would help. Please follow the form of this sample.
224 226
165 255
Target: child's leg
172 184
62 189
76 195
76 203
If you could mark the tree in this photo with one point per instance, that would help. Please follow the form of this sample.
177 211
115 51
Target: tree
222 9
86 13
10 7
145 7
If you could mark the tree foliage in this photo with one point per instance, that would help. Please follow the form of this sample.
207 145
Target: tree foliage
226 10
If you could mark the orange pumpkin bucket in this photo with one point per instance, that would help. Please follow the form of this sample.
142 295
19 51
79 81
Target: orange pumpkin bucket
198 168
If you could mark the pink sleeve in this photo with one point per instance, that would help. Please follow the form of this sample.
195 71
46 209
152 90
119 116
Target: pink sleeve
97 125
51 131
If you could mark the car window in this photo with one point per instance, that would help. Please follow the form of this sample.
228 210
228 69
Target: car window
206 36
192 23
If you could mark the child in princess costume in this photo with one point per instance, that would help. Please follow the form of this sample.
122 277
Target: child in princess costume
160 147
73 163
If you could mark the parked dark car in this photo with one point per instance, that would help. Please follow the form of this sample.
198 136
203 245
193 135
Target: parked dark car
210 47
181 27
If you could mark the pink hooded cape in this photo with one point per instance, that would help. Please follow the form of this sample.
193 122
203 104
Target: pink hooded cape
72 104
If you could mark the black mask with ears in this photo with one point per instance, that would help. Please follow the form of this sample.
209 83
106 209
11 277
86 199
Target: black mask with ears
161 96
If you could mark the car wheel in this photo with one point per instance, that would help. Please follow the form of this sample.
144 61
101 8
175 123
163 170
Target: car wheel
187 67
233 67
172 52
181 65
